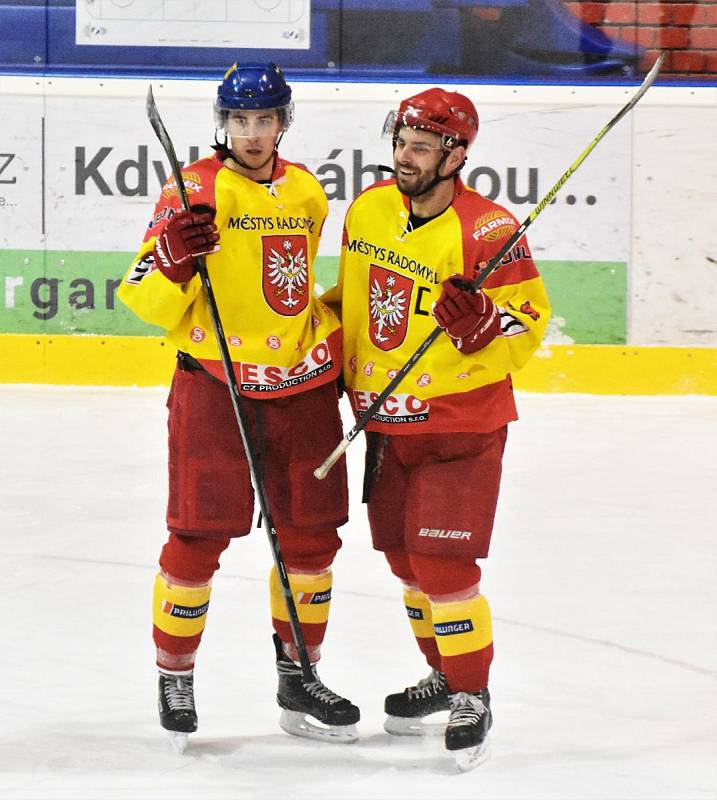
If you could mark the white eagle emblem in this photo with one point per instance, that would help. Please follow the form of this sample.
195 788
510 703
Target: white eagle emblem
387 309
288 273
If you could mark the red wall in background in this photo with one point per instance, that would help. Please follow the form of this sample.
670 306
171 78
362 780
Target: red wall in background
685 30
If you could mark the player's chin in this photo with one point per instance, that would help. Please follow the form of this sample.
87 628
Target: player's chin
256 158
409 186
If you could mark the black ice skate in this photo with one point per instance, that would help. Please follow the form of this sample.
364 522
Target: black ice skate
406 710
177 714
468 726
311 709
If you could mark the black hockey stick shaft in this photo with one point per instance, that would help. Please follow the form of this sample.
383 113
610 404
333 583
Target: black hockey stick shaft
254 465
322 470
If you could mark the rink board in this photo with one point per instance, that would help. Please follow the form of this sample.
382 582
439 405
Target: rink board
149 361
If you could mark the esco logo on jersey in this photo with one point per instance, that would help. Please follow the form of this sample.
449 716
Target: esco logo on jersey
388 304
285 273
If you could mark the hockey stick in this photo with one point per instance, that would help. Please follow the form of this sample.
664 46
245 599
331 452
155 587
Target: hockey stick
254 466
322 470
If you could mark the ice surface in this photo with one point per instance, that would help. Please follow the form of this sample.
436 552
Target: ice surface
602 579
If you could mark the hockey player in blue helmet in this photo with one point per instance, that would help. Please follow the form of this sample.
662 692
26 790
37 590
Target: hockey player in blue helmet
257 218
252 111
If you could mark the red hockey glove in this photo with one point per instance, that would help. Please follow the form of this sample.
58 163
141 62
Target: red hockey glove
187 235
469 318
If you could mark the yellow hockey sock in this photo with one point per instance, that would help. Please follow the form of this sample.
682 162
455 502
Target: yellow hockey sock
463 626
312 597
418 608
180 610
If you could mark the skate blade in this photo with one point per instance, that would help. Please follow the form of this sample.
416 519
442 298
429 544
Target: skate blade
413 726
179 741
297 723
471 757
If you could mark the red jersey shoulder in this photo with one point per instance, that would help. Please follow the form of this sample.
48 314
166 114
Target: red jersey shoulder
199 180
484 220
487 227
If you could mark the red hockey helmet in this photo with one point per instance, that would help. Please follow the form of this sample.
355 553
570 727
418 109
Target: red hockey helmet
449 114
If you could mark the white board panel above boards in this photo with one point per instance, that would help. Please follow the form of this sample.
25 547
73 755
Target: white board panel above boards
627 248
284 24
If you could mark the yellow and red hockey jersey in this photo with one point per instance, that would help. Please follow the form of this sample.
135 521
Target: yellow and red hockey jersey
389 278
282 339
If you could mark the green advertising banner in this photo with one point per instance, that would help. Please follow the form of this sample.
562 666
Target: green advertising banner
74 292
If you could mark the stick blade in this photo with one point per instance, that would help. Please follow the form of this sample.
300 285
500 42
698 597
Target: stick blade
647 82
644 86
656 67
166 142
156 122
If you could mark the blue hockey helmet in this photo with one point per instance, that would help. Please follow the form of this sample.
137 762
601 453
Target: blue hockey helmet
253 87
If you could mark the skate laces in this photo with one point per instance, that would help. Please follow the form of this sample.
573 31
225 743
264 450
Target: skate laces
179 692
322 692
466 708
435 683
315 688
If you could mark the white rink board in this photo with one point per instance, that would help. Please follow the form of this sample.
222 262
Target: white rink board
642 197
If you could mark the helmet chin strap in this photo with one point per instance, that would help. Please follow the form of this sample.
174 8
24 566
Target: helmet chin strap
221 147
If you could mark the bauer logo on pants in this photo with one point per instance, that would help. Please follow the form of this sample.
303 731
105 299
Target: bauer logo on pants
388 304
444 533
285 273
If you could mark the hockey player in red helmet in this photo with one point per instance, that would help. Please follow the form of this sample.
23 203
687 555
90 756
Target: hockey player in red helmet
412 246
450 116
244 200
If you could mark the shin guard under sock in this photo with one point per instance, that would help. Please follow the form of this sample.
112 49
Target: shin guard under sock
179 613
464 635
418 608
312 597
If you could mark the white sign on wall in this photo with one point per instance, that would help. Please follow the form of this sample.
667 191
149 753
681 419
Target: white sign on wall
281 24
22 214
81 170
104 167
